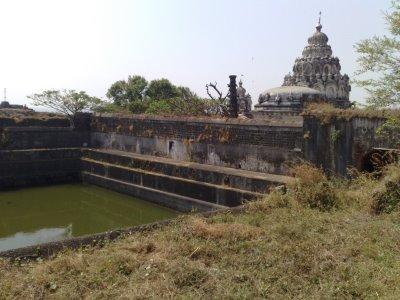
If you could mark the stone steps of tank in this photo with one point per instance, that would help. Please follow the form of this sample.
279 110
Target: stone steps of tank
171 200
222 176
203 191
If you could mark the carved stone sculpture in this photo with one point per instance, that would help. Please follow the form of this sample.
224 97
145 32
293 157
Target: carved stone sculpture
244 100
316 77
318 69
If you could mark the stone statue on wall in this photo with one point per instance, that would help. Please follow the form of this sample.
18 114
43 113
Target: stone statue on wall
244 100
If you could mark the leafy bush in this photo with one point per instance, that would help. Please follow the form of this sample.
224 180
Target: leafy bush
159 107
108 107
181 106
138 107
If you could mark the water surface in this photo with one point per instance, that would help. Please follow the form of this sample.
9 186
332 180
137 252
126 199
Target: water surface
42 214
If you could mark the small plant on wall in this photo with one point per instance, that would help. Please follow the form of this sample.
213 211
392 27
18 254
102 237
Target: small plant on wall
335 135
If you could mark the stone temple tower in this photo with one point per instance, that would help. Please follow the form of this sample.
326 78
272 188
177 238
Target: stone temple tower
316 76
318 69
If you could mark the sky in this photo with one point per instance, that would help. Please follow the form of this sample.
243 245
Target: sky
89 44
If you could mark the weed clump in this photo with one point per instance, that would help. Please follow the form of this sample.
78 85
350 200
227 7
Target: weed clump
274 200
185 275
386 198
229 231
312 188
327 113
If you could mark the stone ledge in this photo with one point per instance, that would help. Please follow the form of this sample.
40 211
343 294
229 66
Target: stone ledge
296 121
36 128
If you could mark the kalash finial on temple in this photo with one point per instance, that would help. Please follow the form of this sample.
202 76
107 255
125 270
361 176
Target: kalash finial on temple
319 26
316 76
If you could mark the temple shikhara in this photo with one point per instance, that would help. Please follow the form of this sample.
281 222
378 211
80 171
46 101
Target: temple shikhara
316 77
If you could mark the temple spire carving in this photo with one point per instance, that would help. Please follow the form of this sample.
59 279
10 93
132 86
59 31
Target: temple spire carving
318 69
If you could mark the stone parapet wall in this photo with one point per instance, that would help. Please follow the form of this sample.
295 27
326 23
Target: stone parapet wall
344 143
27 122
34 137
268 145
31 130
255 145
231 131
258 145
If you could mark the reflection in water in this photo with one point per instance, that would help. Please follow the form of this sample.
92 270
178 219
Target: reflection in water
37 215
45 235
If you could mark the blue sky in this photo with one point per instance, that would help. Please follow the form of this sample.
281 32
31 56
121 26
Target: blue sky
89 44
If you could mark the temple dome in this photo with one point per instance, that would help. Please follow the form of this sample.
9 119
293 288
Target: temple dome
318 69
4 104
290 92
316 77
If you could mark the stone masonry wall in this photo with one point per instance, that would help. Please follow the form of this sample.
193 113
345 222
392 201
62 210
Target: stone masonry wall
257 145
37 134
41 137
250 144
341 144
39 166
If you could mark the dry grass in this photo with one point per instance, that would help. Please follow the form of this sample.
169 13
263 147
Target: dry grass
326 113
386 196
21 117
277 248
230 231
312 188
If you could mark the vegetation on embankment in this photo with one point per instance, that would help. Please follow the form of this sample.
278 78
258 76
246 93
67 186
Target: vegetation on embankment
326 113
321 239
27 117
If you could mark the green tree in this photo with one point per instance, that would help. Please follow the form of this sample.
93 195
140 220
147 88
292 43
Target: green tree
159 96
117 93
135 88
161 89
160 107
124 93
380 60
67 102
186 103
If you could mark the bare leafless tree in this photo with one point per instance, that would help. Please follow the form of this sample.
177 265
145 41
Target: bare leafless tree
220 105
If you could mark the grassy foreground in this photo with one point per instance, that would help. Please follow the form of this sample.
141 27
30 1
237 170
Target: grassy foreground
320 239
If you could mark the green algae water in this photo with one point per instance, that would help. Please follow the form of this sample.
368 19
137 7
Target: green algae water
43 214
